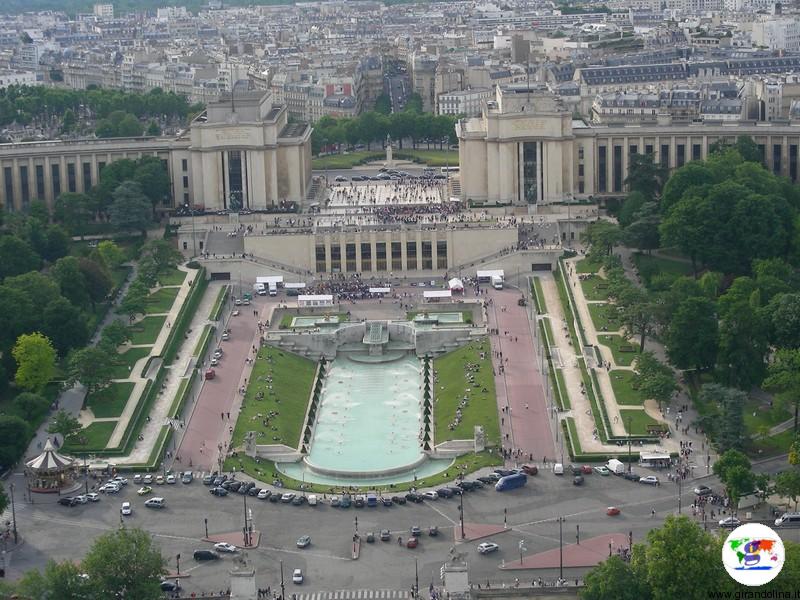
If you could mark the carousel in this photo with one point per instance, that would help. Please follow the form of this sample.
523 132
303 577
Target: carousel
50 472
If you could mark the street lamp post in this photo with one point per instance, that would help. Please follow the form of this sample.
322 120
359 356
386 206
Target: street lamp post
461 514
178 563
629 444
416 579
680 489
560 548
522 549
205 521
283 589
13 514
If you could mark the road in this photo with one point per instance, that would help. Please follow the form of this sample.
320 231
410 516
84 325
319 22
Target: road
59 532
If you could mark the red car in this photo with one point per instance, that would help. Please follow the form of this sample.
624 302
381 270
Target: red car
612 511
586 470
530 469
412 542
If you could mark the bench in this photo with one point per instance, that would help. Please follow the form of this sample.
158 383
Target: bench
627 348
602 286
655 429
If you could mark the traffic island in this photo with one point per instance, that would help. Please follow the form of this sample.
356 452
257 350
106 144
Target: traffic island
589 553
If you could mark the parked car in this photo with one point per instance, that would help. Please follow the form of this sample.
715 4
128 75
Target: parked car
386 501
225 547
287 497
586 470
505 472
205 555
370 537
218 491
233 485
147 479
430 495
171 479
386 535
488 547
412 542
156 502
433 531
612 511
208 480
304 541
577 480
219 480
297 576
649 480
631 476
137 478
469 486
160 479
530 469
298 501
126 509
263 494
399 499
170 586
93 497
489 479
346 501
444 493
274 498
144 490
254 491
67 501
416 531
187 477
602 470
119 479
414 497
455 490
82 499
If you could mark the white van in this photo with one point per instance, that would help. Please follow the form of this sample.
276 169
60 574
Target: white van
617 467
312 500
497 282
558 469
273 289
155 503
788 520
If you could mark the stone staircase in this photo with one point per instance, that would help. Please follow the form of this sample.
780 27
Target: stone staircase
455 187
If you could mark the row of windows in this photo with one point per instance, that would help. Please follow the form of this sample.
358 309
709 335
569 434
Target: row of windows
680 159
417 255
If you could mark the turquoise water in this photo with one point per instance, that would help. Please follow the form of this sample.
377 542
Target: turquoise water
313 321
301 472
369 418
441 317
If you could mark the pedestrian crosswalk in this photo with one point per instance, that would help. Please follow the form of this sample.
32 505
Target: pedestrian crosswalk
355 595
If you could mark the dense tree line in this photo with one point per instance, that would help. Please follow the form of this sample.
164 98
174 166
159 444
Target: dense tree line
374 126
25 104
680 560
737 317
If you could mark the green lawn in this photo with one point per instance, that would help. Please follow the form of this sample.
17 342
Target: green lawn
604 316
432 158
345 161
96 435
146 331
595 288
771 446
292 378
622 383
451 388
466 315
263 470
548 327
573 434
562 395
538 295
123 363
621 359
639 421
171 277
111 401
161 301
587 265
757 416
650 266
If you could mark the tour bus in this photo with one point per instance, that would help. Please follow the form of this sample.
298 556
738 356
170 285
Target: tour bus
510 482
446 170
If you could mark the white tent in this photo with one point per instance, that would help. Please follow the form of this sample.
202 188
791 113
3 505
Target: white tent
436 295
456 285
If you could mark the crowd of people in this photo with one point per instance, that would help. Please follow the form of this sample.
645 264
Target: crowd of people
347 287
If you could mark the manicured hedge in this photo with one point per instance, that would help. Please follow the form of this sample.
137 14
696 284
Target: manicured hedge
177 333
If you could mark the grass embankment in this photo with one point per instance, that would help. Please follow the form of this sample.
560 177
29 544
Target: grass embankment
124 361
146 331
171 277
161 300
450 388
587 265
639 421
110 401
287 394
264 470
557 380
623 351
205 339
595 288
219 303
95 435
538 296
604 316
624 392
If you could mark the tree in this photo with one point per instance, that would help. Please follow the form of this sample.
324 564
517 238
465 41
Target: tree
383 104
92 367
680 560
14 438
643 233
735 472
125 564
135 300
784 316
114 335
614 579
729 426
742 346
639 312
692 335
784 378
17 257
113 256
630 206
787 484
131 209
163 254
64 424
30 407
153 178
97 280
16 316
153 129
68 121
685 181
65 325
3 499
645 176
654 379
36 361
59 580
603 236
74 211
72 283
